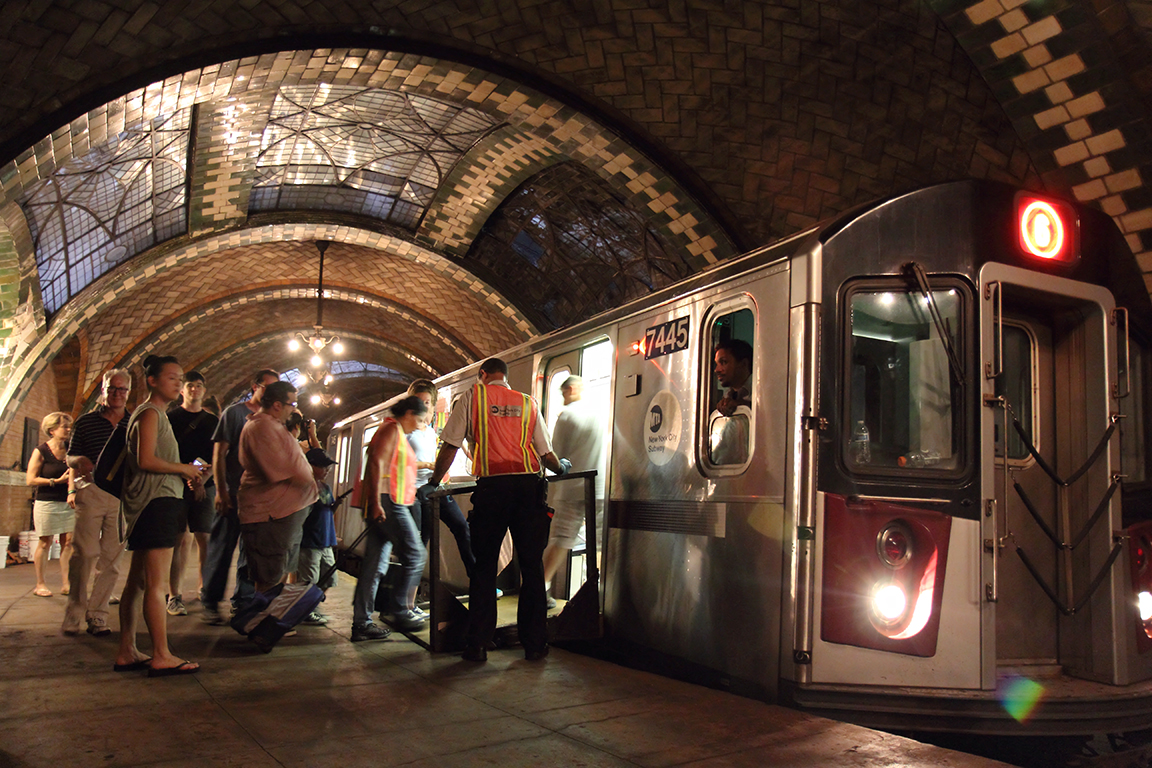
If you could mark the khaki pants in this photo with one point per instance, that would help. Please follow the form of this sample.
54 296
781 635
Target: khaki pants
95 542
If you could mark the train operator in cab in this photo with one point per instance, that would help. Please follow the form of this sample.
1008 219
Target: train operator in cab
509 448
728 424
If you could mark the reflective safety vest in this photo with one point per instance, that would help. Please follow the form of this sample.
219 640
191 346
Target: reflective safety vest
402 468
503 422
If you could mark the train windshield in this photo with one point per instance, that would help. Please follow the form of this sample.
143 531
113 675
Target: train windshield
903 409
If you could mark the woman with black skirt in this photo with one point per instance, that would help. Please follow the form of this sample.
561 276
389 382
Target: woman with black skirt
153 509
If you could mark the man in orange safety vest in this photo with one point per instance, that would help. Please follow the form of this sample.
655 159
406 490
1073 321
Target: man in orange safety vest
509 444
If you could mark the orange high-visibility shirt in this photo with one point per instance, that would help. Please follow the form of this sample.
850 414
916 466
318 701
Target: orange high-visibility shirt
401 468
503 422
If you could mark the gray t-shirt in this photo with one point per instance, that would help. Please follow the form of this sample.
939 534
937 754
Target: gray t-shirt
232 422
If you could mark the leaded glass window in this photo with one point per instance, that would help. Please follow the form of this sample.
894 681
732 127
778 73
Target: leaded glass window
368 151
100 210
567 244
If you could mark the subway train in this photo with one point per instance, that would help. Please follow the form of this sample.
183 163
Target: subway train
929 508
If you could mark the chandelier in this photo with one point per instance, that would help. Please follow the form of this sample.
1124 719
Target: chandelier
317 341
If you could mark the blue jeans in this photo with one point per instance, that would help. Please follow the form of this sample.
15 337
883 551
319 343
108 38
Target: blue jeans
453 518
399 531
218 561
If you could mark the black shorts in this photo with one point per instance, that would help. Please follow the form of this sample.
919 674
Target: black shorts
200 514
160 525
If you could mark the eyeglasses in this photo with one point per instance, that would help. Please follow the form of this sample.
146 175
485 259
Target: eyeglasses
113 390
291 404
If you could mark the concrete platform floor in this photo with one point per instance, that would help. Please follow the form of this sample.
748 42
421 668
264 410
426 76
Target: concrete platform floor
320 700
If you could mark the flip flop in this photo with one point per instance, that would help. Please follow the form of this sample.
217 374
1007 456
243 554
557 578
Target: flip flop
187 668
43 593
65 591
135 666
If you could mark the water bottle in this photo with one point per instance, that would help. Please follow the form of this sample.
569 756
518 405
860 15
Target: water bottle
860 450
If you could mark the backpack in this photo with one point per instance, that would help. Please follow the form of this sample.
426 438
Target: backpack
110 465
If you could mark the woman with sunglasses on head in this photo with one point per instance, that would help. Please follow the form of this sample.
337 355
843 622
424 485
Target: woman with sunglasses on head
152 505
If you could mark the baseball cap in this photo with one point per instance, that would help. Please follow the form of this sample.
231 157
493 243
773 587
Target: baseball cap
317 458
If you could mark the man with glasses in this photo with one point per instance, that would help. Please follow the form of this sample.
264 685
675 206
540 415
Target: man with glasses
226 471
277 488
96 538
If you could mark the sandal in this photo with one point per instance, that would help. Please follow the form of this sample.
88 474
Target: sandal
186 668
65 591
43 592
138 665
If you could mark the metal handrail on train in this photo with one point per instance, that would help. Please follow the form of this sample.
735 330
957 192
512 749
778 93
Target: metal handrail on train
436 637
1062 485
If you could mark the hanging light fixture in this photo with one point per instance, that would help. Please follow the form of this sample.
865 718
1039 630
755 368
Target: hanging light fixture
317 341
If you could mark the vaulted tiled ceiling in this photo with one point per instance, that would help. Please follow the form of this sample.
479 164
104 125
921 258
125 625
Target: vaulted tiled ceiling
487 172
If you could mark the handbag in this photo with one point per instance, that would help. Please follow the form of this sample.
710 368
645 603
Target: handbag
112 462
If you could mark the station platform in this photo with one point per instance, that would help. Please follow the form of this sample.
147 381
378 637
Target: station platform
319 699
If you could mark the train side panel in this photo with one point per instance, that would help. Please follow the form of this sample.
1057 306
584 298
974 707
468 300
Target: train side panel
693 564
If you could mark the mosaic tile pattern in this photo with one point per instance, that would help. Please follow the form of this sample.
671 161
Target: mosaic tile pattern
1060 72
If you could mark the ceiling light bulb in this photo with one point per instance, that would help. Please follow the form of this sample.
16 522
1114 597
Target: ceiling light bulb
316 343
317 361
329 379
336 400
338 348
315 399
293 344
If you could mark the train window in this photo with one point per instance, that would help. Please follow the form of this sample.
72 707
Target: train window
344 458
903 408
554 399
1015 383
730 409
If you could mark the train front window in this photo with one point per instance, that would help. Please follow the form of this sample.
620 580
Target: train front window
903 407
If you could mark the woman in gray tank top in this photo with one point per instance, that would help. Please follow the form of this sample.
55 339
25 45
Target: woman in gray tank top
152 506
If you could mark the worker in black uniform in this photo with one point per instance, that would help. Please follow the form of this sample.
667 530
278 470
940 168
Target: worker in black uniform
510 445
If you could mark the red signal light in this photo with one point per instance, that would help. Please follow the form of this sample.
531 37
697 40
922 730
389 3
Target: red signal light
894 544
1141 555
1047 230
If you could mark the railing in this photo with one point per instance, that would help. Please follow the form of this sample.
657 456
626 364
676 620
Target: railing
448 614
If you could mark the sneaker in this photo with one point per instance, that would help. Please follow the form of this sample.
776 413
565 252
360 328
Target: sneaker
421 614
369 631
97 627
499 593
315 619
176 606
551 602
212 616
408 621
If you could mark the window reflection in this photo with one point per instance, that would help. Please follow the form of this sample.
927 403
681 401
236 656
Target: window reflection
903 409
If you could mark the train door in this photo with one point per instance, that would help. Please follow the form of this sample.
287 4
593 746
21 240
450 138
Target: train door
593 364
1050 458
1027 629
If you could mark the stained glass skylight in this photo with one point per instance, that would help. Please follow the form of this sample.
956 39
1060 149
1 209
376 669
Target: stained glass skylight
361 150
100 210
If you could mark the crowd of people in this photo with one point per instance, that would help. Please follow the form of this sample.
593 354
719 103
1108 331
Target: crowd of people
254 477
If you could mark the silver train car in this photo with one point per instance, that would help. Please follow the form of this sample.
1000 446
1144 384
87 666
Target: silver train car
930 514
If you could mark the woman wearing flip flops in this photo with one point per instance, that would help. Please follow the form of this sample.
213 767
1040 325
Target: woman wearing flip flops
48 475
152 505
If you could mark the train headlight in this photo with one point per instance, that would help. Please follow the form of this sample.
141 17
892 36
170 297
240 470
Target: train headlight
894 544
1141 554
889 602
1144 602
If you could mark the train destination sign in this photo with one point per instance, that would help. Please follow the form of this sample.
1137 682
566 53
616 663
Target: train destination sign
666 338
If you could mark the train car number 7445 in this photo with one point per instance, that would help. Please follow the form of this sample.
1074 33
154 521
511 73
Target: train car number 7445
666 338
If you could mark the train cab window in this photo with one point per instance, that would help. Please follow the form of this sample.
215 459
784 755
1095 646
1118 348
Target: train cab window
1015 384
903 408
730 410
554 398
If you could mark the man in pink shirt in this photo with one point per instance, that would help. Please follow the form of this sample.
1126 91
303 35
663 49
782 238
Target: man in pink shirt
276 490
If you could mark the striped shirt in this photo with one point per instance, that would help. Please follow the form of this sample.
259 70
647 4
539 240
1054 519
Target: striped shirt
90 432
